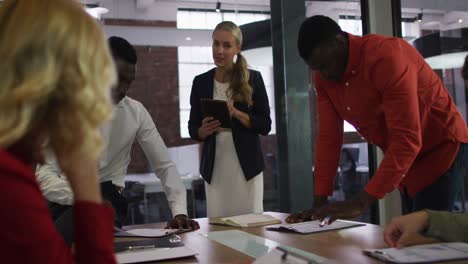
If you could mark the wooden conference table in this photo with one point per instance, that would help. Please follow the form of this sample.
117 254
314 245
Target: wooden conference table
343 246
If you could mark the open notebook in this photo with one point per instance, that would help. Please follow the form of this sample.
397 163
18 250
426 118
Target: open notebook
247 220
428 253
314 227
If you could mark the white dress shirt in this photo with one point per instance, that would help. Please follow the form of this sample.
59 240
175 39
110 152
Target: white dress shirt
130 120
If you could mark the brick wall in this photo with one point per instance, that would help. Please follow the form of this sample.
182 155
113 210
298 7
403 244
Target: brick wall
156 87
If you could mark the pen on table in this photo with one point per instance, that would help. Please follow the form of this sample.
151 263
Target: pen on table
136 248
324 221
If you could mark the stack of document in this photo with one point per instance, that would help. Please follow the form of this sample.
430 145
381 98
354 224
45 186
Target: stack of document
136 251
147 232
314 226
428 253
247 220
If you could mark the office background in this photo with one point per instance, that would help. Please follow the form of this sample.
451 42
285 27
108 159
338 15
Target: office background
173 41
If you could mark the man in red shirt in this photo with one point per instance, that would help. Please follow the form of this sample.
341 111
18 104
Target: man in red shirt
385 89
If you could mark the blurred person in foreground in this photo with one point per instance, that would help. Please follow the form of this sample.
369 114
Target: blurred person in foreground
130 121
54 93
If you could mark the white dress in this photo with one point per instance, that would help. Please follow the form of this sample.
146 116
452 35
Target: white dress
229 193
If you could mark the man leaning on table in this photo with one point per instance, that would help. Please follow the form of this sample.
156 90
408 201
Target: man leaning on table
130 120
385 89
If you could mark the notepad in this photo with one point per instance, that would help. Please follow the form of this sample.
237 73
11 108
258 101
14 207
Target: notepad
314 227
421 253
247 220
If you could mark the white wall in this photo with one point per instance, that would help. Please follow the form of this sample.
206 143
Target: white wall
186 159
166 10
155 36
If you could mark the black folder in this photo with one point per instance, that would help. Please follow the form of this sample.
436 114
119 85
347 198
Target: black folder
218 109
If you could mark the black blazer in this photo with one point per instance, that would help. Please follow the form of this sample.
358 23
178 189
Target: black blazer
246 140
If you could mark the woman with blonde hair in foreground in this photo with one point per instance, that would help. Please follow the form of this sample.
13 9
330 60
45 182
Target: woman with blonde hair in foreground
54 93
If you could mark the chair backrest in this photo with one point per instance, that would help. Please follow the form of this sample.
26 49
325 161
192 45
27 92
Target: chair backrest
64 225
349 159
198 189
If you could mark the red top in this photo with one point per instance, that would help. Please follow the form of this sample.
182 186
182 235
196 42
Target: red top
28 234
396 101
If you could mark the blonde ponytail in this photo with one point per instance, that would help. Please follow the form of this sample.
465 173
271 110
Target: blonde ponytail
240 89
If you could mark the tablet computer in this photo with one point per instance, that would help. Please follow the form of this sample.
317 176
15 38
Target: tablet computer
218 109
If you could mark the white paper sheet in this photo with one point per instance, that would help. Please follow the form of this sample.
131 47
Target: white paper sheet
145 232
154 254
422 253
313 226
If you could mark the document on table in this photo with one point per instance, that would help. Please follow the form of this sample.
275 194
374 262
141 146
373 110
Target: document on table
314 226
147 232
153 254
428 253
246 220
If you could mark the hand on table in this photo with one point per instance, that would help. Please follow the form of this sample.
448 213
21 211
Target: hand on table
182 222
346 209
339 210
307 215
406 230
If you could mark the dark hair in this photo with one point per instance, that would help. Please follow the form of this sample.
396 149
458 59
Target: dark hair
464 71
316 30
122 49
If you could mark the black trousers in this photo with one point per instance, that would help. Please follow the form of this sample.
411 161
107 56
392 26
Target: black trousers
63 214
441 194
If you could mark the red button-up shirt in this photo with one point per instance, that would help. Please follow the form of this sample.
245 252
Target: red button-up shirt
396 101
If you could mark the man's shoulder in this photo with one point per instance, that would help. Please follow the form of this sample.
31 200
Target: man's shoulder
131 107
128 102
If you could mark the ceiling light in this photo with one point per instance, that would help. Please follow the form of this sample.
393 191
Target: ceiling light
218 7
188 38
96 12
460 20
419 17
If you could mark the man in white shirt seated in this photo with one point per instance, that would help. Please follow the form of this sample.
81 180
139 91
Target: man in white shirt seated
130 121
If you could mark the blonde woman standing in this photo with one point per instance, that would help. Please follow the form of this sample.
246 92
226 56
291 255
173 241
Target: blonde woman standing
54 93
232 159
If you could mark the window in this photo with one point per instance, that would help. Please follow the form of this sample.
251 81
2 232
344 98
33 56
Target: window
208 19
192 62
197 60
351 25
